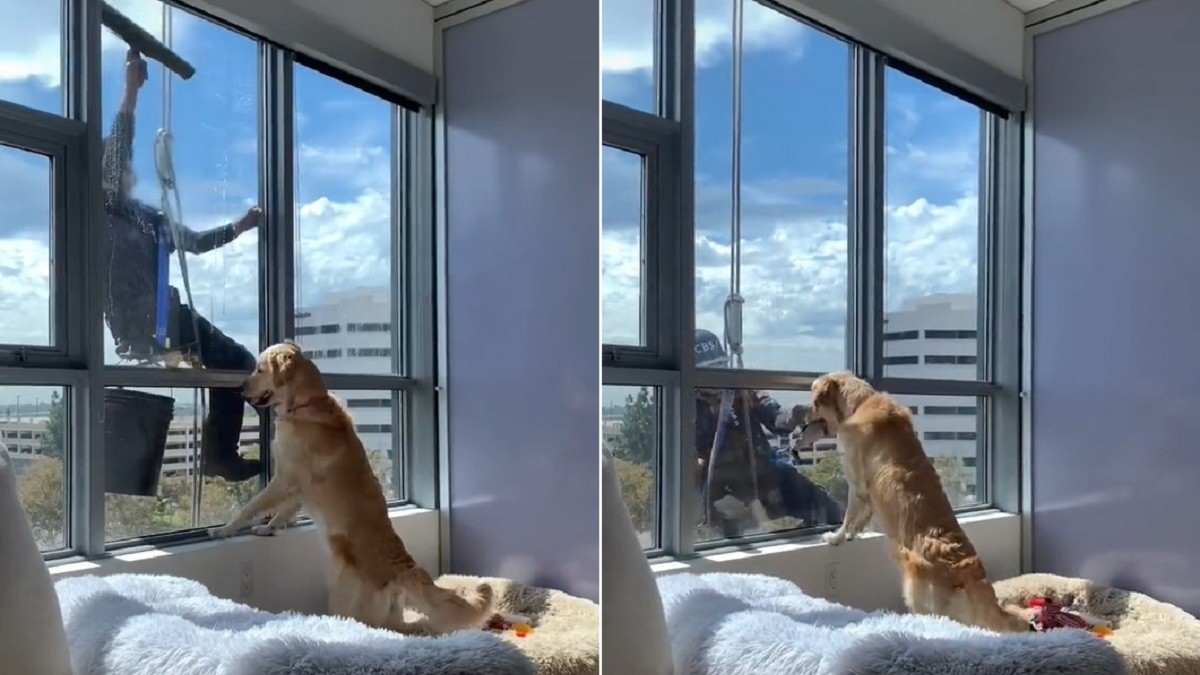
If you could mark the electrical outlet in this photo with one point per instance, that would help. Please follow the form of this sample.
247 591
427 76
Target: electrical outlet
831 580
246 581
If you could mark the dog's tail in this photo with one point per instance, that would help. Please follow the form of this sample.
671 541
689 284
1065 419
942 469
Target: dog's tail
447 610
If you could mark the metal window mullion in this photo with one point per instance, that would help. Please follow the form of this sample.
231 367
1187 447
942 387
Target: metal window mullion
86 406
923 387
1004 319
400 293
126 376
421 321
679 532
751 379
276 245
867 213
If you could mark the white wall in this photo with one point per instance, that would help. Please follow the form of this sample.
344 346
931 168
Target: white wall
860 573
286 571
992 30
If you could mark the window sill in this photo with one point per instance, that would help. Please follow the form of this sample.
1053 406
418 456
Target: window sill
860 573
282 572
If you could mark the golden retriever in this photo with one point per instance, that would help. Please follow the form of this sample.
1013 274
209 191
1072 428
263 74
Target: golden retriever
320 464
892 481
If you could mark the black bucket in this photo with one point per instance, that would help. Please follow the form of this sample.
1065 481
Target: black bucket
135 440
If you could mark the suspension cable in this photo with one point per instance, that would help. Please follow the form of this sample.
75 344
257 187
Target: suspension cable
172 207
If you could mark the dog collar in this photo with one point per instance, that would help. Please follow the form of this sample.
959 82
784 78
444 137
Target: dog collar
301 406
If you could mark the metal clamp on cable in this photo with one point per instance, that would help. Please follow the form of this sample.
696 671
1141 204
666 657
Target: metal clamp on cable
733 328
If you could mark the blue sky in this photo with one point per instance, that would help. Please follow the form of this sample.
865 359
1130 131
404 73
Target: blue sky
343 167
795 135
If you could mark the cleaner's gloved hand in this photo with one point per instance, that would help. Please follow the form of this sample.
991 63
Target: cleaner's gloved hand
135 71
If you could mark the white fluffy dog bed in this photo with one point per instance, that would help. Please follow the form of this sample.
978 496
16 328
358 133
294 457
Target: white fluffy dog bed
738 624
133 624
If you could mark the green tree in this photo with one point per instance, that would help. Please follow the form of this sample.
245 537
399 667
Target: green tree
637 491
827 472
639 433
54 439
40 491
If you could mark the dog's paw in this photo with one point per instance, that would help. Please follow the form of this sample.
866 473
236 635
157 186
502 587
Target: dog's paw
219 532
849 536
263 530
833 538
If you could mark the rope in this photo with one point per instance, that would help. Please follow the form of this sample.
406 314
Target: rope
734 303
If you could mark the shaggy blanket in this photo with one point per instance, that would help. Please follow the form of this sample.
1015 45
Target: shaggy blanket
738 624
1153 637
134 624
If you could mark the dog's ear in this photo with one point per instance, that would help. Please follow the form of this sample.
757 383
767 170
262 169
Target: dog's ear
283 365
825 394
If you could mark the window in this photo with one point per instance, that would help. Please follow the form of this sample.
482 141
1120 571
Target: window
628 57
857 211
949 334
945 359
631 432
949 432
794 190
379 418
743 466
221 199
141 501
212 122
25 246
932 220
32 52
38 414
347 215
623 258
950 410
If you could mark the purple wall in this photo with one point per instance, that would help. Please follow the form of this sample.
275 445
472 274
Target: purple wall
523 266
1116 301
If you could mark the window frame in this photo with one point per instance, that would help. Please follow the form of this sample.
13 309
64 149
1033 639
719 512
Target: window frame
77 360
655 141
997 387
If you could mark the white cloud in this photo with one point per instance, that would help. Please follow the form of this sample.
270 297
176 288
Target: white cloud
628 36
794 260
31 44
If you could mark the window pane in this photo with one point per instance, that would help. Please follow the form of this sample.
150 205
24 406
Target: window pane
344 226
756 480
25 273
931 233
623 253
628 61
31 68
952 433
158 454
35 427
379 420
794 187
632 434
213 120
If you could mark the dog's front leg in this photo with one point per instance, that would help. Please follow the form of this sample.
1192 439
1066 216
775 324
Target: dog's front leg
282 518
854 513
272 496
861 518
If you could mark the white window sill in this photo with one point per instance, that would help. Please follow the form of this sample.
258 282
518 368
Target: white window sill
860 573
285 571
